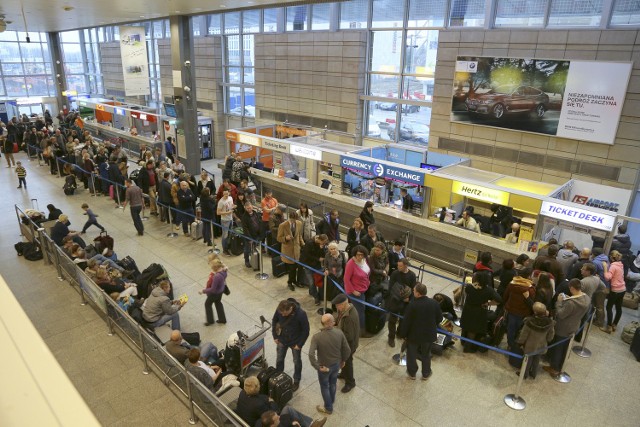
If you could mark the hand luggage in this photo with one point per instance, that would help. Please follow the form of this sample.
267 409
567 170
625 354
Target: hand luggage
103 241
111 192
631 300
264 376
129 264
629 331
192 338
278 268
236 243
635 345
90 251
196 230
374 319
254 259
281 389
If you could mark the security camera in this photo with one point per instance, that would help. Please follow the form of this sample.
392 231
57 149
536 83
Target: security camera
187 63
187 89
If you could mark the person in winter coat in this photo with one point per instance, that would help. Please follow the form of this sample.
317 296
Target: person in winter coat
312 255
515 303
330 226
615 275
569 311
355 235
601 261
567 257
333 264
373 236
356 280
367 215
289 235
216 285
206 182
290 331
401 285
505 275
379 263
474 319
159 309
622 241
308 225
208 212
536 333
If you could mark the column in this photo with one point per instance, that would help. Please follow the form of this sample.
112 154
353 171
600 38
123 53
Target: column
59 76
184 92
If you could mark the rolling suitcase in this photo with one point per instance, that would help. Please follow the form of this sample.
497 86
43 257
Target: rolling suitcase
196 230
236 242
103 241
254 259
129 264
278 268
374 319
264 376
281 389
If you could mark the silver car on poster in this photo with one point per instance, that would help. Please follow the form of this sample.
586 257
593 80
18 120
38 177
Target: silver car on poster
505 100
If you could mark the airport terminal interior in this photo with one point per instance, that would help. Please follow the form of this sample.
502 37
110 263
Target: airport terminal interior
473 108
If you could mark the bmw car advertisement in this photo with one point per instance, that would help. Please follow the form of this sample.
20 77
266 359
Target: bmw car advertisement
569 99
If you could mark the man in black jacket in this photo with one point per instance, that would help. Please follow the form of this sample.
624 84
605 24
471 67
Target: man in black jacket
398 298
373 236
330 226
251 227
148 180
164 197
421 318
290 331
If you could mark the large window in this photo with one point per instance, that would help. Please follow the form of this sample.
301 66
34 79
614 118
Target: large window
569 13
520 13
467 13
26 67
626 12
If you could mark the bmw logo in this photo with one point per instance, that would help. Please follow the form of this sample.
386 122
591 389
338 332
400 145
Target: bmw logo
378 169
472 65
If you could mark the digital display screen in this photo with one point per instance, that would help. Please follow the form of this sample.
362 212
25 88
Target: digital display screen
429 167
170 110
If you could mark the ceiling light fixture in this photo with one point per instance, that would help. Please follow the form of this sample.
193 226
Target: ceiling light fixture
223 5
24 18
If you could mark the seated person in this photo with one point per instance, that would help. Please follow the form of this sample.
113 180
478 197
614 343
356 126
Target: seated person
204 373
251 404
54 213
446 305
289 417
110 285
468 222
61 230
159 309
179 348
79 256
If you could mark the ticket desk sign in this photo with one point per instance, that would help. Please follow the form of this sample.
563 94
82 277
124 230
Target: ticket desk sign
578 216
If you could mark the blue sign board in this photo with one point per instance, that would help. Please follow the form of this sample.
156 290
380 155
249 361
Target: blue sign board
383 170
119 111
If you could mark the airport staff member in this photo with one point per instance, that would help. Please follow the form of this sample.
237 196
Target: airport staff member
468 222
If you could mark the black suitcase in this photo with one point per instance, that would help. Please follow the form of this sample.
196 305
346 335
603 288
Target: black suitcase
278 267
374 320
192 338
129 264
442 342
236 244
635 345
281 389
264 376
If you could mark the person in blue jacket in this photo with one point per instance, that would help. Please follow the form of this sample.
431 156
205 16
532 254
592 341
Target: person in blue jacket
290 331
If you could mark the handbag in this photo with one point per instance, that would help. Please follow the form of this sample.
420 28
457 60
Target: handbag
318 280
226 291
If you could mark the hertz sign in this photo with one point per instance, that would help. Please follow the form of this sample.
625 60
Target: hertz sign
478 192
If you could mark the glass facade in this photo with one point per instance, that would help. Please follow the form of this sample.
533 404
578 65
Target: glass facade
25 67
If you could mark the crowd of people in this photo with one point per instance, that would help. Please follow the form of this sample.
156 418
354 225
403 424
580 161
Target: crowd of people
538 302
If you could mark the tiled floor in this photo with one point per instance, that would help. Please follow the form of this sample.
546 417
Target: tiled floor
466 389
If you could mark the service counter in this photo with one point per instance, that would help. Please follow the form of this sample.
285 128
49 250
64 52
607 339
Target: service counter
125 139
437 240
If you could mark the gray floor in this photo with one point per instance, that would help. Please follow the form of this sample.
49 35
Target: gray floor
466 389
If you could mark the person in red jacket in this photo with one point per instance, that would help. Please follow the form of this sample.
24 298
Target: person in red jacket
356 280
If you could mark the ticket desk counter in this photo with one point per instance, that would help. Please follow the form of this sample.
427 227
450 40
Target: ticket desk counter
436 240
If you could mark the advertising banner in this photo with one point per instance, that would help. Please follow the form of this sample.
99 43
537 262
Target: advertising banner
135 64
600 196
553 97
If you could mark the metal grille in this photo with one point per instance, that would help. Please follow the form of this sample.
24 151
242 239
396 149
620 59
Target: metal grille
520 12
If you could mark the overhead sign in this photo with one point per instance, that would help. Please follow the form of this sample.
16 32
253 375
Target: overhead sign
231 136
306 152
275 145
135 64
579 216
384 170
478 192
69 92
249 139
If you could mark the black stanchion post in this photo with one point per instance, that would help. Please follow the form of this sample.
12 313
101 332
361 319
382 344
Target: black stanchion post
323 310
400 358
171 233
581 350
214 249
515 401
262 275
563 377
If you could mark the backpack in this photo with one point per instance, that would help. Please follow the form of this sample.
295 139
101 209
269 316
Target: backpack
629 331
31 252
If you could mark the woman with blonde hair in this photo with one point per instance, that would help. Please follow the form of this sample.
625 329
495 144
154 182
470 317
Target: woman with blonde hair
216 286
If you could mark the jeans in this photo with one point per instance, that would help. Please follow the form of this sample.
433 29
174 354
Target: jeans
514 323
206 229
420 351
614 298
174 318
225 235
328 382
217 300
313 291
347 372
207 351
89 223
356 301
102 259
297 361
557 354
22 182
294 415
137 221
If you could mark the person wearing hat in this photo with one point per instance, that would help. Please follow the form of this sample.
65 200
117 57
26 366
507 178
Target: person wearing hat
349 323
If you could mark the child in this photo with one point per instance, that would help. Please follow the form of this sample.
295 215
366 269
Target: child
22 174
535 334
92 219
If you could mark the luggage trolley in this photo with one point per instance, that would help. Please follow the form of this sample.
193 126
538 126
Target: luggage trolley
249 349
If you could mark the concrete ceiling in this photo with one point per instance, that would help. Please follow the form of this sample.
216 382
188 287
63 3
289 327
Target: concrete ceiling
50 15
